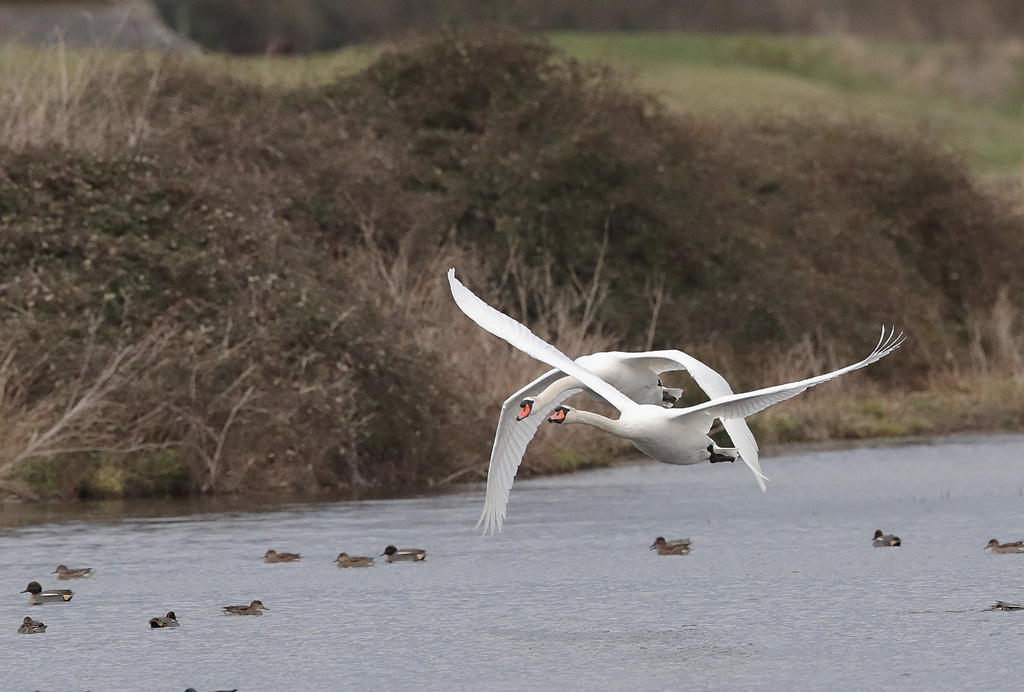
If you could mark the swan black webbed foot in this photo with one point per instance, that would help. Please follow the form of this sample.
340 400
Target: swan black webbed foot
717 458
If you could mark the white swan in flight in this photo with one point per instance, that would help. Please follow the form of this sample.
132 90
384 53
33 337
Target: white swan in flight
633 374
672 436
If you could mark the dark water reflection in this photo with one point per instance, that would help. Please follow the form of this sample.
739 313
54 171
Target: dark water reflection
782 590
17 514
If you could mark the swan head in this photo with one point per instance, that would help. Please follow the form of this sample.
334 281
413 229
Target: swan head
669 395
562 414
525 407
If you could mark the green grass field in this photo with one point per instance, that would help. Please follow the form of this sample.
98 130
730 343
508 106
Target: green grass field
971 101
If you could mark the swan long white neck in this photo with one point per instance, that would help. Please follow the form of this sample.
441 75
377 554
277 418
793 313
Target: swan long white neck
596 420
554 389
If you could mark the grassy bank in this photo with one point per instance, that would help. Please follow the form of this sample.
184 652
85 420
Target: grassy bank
231 279
967 96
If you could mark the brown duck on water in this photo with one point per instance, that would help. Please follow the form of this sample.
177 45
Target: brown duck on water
1005 548
679 546
254 608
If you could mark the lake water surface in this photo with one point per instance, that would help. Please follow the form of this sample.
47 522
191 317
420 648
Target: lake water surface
782 590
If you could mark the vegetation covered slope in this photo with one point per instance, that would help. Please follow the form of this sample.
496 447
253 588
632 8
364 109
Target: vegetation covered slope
216 286
304 25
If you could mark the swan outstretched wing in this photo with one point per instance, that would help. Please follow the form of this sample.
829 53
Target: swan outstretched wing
503 326
510 441
749 403
715 386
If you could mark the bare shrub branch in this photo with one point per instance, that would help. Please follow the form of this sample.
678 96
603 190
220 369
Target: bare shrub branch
80 419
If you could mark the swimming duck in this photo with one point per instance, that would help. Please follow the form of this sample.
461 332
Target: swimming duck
254 608
680 546
169 620
884 540
64 573
274 556
1003 605
393 554
30 626
1005 548
344 560
36 595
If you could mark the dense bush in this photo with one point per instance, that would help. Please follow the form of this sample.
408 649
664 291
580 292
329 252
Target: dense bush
273 239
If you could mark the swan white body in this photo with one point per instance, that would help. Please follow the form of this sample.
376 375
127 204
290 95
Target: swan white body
672 436
659 437
633 374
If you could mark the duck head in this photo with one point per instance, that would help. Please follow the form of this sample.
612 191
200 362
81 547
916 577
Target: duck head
992 544
660 540
33 587
390 550
258 604
669 395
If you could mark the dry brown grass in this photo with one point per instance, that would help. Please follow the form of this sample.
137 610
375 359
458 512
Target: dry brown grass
984 393
84 417
82 99
485 369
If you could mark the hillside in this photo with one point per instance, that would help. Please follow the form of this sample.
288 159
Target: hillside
216 285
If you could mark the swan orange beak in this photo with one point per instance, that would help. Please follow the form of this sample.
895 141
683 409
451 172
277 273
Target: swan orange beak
525 409
557 416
